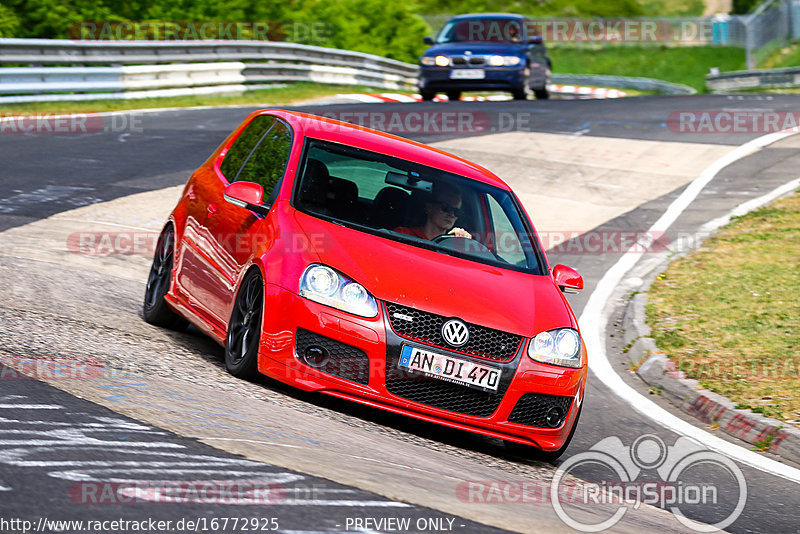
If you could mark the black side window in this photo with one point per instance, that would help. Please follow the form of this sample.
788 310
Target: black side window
267 163
244 146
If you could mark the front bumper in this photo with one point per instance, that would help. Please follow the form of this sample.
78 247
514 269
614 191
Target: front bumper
376 381
495 78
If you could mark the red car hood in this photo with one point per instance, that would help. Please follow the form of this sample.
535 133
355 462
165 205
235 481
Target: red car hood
503 299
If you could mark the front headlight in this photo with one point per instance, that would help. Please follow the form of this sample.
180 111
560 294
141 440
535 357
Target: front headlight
507 61
428 61
322 284
556 347
442 61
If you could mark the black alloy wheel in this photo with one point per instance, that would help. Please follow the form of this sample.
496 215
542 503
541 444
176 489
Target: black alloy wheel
244 328
155 309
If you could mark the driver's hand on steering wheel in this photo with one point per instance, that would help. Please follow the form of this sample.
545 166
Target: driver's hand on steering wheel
460 232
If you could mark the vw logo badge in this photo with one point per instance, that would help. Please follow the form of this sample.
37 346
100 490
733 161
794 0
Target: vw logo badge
455 332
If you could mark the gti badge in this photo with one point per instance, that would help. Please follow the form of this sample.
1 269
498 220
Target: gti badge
455 332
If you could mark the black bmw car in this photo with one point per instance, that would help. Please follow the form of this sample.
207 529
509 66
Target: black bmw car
485 52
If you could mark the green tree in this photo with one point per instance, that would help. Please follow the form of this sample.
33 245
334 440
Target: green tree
535 8
371 26
51 19
743 7
9 23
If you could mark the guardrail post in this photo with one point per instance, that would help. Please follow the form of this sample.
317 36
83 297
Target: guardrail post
748 43
794 17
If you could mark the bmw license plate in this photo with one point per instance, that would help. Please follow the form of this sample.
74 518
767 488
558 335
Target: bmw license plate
467 74
443 367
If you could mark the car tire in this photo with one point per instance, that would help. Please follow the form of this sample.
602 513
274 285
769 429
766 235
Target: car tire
538 454
541 94
427 96
244 328
522 92
155 309
453 96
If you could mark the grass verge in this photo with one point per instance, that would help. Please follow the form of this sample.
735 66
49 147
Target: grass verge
788 56
727 314
684 65
290 94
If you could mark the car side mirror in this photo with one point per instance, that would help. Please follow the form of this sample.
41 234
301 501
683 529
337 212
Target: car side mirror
536 39
427 40
247 195
567 279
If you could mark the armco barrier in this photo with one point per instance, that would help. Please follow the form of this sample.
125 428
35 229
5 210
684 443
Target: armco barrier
624 82
41 52
753 79
169 68
205 67
37 80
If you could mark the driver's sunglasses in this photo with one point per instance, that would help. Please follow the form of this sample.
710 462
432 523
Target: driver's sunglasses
447 208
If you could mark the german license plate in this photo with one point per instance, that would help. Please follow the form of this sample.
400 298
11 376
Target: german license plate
450 369
467 74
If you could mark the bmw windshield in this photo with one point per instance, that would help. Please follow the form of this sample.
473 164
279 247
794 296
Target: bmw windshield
481 30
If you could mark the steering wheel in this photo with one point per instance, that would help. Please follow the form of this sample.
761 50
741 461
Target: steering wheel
444 237
471 246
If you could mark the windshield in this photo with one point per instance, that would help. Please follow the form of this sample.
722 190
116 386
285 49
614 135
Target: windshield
415 204
481 30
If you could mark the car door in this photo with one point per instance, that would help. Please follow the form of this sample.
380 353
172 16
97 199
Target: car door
225 240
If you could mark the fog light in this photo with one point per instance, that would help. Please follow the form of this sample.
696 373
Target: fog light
554 417
316 356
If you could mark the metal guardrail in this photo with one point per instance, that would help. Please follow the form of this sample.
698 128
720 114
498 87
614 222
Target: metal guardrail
149 68
268 63
41 52
753 79
38 80
624 82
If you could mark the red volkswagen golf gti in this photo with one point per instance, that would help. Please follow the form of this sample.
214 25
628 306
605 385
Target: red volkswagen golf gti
376 269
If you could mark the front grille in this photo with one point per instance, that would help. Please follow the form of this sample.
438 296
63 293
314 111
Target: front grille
532 408
332 357
427 327
468 60
440 394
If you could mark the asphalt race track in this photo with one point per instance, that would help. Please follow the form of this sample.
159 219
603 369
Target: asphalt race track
169 410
